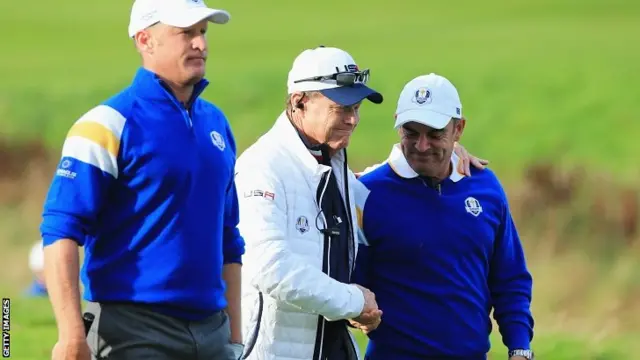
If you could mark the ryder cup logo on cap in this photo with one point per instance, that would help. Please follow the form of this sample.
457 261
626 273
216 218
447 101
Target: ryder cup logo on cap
431 100
332 72
178 13
423 96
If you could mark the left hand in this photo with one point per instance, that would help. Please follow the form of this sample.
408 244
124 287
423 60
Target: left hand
466 160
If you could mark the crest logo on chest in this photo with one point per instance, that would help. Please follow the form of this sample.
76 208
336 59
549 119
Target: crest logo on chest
302 224
217 140
473 206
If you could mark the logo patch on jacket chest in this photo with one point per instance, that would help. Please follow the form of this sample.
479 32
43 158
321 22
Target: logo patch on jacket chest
302 224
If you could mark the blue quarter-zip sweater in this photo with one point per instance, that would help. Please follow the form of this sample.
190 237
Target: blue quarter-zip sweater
439 259
147 186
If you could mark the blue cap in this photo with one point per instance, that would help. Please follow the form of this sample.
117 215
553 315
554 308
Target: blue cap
353 94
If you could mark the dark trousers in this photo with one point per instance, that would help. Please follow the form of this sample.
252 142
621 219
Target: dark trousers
131 331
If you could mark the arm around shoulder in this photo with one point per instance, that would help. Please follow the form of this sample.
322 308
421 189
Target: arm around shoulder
271 265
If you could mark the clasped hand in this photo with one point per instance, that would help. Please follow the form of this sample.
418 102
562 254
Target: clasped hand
371 316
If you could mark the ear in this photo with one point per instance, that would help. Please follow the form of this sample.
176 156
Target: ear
458 129
297 98
144 41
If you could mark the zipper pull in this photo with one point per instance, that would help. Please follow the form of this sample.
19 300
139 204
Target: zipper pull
189 121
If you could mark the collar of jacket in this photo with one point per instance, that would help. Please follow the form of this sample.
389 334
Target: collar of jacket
292 142
401 167
150 86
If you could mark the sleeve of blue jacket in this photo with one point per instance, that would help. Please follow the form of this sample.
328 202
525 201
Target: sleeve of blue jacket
87 169
510 284
233 243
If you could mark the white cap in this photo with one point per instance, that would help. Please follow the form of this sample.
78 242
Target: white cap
178 13
431 100
327 61
36 257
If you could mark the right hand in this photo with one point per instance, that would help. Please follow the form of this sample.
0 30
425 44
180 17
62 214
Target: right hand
71 350
370 317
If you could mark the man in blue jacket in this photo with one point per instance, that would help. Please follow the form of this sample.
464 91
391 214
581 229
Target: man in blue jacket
438 248
146 184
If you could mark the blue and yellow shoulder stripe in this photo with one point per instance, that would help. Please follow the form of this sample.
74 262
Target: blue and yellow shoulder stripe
95 138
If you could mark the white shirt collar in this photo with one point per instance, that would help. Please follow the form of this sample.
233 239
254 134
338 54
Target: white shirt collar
400 166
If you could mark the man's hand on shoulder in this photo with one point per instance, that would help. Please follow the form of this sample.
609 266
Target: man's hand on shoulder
467 159
371 316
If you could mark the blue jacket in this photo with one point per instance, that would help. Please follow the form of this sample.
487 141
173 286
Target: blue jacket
438 260
147 186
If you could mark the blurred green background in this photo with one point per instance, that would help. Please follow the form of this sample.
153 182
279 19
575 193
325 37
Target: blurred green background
550 90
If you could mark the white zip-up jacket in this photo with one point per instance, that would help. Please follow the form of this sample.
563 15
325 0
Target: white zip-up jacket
286 296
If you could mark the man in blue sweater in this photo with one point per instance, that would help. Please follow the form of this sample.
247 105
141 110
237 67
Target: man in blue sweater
447 252
146 184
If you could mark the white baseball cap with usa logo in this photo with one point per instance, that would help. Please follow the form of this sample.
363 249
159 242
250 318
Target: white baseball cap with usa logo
334 73
431 100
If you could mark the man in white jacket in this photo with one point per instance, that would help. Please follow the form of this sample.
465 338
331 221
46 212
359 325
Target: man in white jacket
298 218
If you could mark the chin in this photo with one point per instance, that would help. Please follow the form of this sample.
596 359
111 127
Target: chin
193 78
339 145
193 73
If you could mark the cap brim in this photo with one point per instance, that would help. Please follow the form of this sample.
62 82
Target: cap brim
429 118
190 17
350 95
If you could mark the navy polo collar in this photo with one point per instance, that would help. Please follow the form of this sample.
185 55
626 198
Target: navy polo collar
150 86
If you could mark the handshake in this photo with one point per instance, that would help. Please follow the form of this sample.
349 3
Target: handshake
370 317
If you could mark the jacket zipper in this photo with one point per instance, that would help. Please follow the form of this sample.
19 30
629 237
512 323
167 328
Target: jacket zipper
437 187
325 259
352 250
187 117
347 203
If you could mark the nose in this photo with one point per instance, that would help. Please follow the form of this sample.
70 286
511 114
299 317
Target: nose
422 144
352 118
199 43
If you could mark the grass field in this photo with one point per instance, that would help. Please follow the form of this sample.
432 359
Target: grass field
545 81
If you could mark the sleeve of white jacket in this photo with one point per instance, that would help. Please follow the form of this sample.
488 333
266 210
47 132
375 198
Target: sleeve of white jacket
270 264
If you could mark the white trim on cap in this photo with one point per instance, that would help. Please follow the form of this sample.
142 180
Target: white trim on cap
401 167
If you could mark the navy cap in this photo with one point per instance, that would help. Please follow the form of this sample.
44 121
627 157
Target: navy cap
353 94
